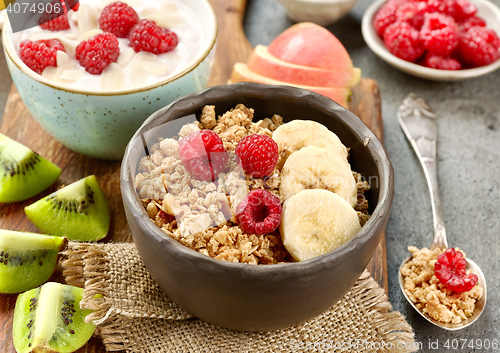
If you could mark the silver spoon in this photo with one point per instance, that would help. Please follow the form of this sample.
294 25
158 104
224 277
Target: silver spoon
420 127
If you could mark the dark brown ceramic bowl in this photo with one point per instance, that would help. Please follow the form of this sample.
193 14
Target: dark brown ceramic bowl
260 297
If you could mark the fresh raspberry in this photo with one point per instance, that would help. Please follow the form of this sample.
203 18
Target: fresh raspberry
412 12
401 39
473 21
118 18
73 4
96 53
435 61
386 15
147 36
258 154
203 155
40 54
259 212
464 10
450 270
447 7
479 46
439 34
57 20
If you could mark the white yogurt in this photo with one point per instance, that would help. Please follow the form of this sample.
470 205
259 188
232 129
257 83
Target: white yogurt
132 70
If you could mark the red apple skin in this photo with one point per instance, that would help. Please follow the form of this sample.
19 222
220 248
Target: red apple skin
266 64
309 44
241 73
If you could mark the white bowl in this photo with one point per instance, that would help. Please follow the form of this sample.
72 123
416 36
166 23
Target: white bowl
488 11
100 124
322 12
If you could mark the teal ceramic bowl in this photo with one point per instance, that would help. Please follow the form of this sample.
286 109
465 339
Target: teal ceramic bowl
100 124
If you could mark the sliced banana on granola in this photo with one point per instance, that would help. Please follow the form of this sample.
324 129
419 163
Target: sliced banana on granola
318 168
314 222
297 134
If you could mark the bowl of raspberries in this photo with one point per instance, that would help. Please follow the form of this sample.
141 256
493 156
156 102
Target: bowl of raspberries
442 40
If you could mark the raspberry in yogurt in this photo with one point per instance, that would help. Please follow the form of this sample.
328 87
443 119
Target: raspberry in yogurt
156 39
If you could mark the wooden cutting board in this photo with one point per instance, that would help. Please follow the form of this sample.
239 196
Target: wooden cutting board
18 124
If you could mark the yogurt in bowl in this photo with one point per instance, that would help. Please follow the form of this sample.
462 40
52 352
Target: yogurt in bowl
97 114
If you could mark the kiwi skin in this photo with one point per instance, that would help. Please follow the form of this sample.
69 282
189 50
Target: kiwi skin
27 259
78 211
23 172
49 319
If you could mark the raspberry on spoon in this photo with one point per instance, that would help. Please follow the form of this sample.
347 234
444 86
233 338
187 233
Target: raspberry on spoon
450 270
259 212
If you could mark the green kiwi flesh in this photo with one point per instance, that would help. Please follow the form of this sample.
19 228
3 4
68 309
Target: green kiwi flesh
78 211
27 259
49 319
23 172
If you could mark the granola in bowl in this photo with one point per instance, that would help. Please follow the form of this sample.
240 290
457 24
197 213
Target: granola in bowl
202 208
430 294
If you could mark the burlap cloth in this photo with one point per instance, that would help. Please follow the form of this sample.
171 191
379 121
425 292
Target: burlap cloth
134 315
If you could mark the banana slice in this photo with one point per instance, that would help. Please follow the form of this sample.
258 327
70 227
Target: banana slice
314 222
318 168
296 134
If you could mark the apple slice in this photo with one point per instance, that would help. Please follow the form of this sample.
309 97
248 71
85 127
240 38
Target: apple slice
241 73
311 45
266 64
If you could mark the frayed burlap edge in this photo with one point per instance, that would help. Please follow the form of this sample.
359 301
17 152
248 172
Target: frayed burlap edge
87 265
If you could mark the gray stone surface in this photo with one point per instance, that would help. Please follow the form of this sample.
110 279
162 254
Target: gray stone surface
469 164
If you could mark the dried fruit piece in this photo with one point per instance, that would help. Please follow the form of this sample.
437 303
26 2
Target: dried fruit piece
27 259
401 39
203 155
258 155
147 36
118 18
480 46
78 211
259 212
96 53
49 319
40 54
23 172
450 270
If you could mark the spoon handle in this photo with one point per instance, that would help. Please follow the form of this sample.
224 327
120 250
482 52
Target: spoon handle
418 122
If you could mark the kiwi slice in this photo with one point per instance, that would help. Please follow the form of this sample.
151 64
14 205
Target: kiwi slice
23 172
27 259
49 319
78 211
